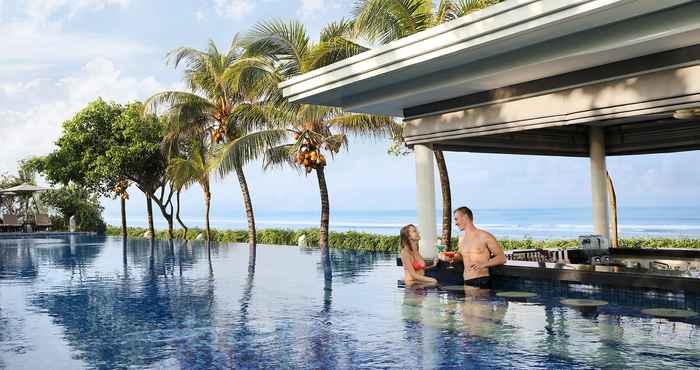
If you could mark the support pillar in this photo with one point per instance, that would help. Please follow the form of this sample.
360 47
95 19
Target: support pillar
425 200
601 223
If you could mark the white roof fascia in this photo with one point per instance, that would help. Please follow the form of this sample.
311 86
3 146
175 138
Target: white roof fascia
470 37
620 41
411 39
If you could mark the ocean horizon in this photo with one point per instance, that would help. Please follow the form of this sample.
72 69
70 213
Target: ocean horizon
541 223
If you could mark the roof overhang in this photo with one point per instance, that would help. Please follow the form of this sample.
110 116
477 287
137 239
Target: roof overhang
504 45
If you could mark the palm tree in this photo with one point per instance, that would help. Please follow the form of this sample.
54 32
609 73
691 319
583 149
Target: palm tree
121 191
280 50
213 106
174 147
383 21
192 168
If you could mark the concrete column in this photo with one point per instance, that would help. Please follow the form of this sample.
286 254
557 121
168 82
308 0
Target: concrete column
425 199
599 190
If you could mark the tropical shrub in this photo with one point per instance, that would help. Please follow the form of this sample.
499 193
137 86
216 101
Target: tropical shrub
358 241
75 201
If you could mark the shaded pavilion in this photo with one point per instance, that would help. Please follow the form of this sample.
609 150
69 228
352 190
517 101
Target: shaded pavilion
576 78
25 191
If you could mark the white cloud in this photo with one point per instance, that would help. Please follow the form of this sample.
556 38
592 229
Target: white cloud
234 8
199 15
311 9
35 39
17 88
308 7
33 131
42 10
34 45
14 68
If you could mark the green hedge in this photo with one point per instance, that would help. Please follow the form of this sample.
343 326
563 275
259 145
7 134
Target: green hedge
353 240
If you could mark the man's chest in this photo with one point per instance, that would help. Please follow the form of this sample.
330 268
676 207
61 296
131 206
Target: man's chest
470 246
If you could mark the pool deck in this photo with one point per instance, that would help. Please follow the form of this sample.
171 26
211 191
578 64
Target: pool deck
43 234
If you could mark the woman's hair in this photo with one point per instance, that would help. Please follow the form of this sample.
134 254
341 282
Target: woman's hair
405 237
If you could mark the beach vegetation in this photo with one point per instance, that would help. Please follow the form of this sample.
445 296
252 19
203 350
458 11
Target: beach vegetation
360 241
73 200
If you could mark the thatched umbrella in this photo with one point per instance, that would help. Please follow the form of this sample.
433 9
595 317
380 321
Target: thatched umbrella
26 190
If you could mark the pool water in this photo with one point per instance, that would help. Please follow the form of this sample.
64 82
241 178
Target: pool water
86 302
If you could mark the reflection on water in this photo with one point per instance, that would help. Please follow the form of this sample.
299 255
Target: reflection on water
87 302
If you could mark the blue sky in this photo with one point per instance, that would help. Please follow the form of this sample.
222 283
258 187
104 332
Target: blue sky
59 54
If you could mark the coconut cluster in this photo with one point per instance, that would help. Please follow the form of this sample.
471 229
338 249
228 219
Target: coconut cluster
310 157
120 189
219 134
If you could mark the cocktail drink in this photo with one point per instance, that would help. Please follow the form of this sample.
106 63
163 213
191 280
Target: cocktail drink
440 248
450 256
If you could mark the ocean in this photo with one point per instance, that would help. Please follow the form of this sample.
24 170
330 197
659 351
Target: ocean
541 224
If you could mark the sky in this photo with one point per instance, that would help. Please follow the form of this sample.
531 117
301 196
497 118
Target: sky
57 55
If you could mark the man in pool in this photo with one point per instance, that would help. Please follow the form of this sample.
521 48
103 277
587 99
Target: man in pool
478 249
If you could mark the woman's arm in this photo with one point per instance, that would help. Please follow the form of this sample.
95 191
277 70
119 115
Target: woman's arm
435 263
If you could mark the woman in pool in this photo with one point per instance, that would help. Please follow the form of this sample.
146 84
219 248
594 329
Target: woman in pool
413 264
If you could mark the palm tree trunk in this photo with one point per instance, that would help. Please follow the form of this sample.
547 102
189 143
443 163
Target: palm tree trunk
149 209
123 214
171 233
613 212
446 199
207 200
177 216
323 231
249 215
168 216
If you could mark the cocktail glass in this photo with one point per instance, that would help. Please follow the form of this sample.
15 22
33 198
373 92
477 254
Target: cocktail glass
440 248
451 256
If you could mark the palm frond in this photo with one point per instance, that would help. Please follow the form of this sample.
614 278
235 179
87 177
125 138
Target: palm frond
365 125
389 20
235 50
170 99
192 57
335 143
252 116
237 153
445 12
183 172
284 42
279 156
464 7
314 113
333 50
254 76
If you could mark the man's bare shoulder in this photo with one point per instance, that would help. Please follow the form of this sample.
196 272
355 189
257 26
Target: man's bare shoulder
485 235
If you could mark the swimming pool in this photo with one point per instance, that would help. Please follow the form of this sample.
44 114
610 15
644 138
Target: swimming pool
77 302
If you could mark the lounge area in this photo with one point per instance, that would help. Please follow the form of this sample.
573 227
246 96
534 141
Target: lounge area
21 212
